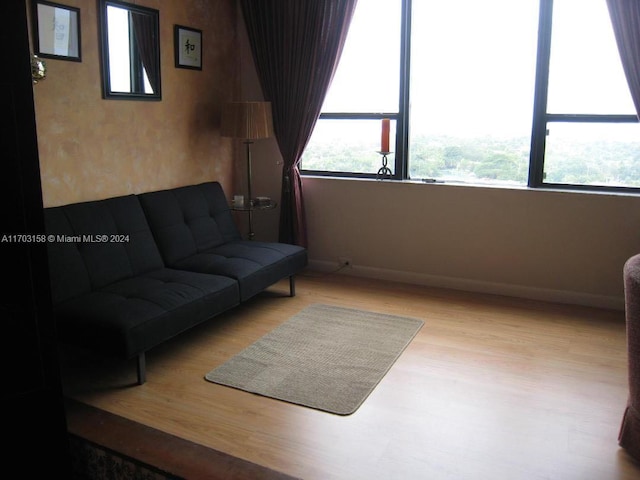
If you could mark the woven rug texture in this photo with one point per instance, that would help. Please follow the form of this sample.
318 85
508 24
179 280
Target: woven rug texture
325 357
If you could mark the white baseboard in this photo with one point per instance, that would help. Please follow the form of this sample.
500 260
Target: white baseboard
492 288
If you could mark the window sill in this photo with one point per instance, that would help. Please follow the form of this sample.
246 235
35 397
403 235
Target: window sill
632 192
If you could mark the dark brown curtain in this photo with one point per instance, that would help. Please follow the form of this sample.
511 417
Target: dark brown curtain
625 17
145 34
296 45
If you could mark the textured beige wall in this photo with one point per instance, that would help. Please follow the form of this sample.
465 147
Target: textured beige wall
92 148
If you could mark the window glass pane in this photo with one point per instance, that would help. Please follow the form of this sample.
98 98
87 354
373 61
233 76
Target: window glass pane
347 146
472 86
368 76
585 71
119 59
604 154
473 159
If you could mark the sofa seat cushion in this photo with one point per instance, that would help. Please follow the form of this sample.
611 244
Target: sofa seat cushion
255 265
133 315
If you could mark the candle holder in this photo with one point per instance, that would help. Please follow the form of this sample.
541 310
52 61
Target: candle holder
384 171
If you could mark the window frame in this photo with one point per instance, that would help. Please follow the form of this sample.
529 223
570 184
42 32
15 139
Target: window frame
401 117
540 120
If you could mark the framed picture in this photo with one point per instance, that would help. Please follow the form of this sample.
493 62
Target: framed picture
56 31
188 47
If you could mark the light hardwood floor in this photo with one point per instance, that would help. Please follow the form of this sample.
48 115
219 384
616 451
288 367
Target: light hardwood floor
490 388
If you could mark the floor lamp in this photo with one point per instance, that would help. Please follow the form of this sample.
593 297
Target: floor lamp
247 121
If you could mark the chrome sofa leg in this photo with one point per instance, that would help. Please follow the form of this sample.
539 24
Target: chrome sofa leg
142 369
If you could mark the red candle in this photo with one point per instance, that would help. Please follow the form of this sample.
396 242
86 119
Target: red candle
384 143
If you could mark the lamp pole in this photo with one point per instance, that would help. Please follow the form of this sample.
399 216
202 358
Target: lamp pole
249 194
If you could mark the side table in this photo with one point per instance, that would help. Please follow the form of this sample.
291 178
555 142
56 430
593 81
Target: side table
252 208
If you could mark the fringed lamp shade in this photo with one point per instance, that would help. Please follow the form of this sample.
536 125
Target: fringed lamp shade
247 120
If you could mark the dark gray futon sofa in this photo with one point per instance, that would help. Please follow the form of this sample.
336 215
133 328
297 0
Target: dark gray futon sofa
128 273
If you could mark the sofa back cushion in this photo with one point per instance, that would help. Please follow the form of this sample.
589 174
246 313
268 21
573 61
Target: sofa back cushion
189 220
98 243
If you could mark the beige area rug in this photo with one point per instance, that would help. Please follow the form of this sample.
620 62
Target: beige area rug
325 357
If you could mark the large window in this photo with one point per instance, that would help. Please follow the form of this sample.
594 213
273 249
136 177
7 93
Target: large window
592 134
365 89
493 92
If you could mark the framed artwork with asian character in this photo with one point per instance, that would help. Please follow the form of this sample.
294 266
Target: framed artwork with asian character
187 47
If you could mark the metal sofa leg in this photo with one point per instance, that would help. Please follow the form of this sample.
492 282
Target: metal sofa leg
142 369
292 286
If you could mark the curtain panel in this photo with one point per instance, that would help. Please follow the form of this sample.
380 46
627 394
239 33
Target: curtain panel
625 18
296 46
147 41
